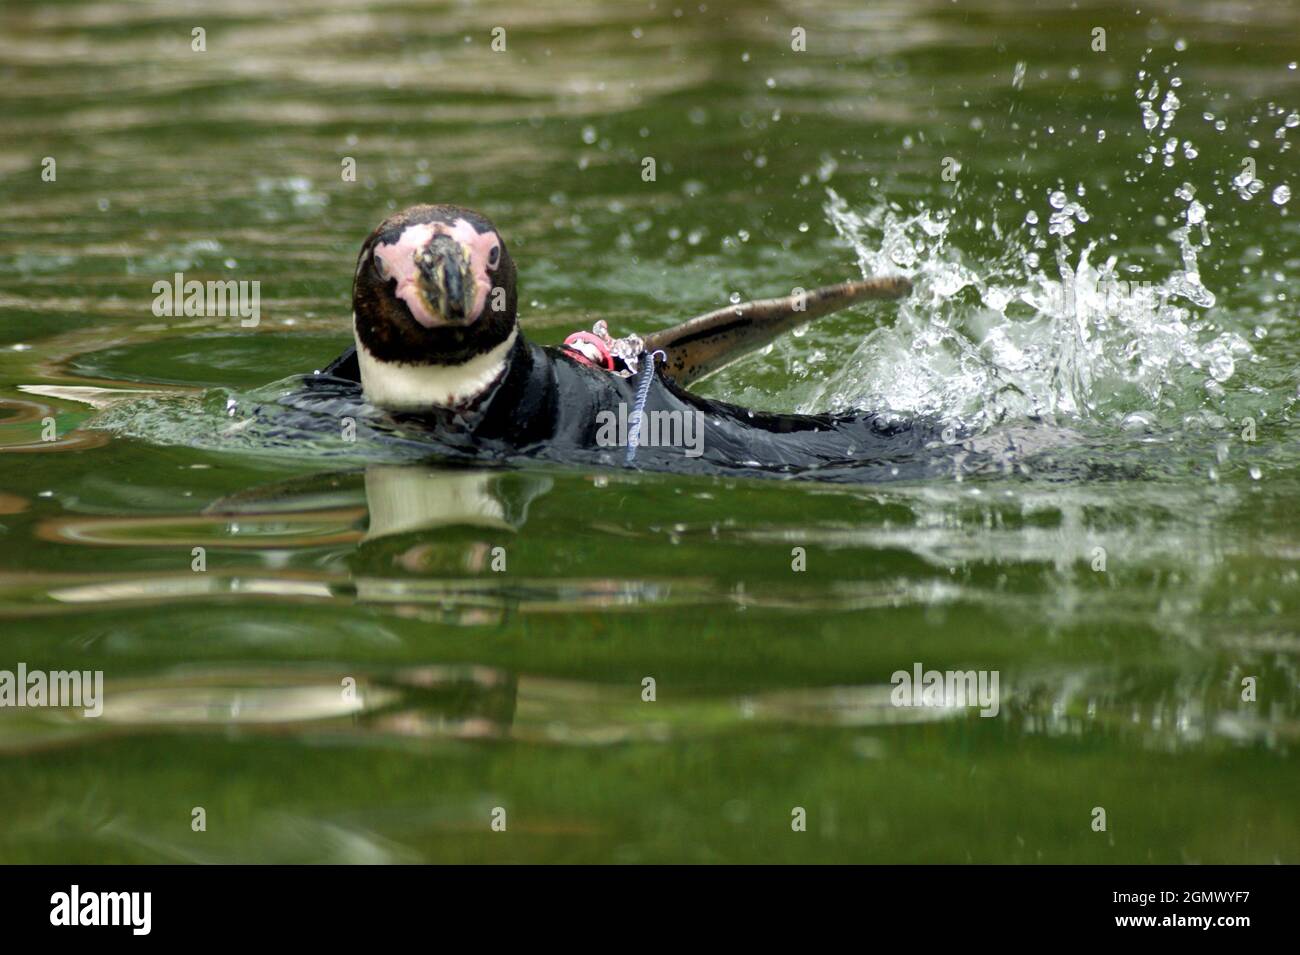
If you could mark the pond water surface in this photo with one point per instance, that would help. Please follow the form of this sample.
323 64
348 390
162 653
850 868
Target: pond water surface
1103 246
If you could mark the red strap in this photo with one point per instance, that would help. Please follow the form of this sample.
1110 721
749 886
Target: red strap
590 350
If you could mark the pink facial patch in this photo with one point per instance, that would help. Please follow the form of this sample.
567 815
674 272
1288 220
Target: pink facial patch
399 259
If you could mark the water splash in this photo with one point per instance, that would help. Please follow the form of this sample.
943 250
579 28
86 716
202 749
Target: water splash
1065 323
979 343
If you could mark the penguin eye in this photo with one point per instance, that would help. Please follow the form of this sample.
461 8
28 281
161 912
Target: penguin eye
494 257
381 267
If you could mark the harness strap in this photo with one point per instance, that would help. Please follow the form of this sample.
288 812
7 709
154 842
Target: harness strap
646 376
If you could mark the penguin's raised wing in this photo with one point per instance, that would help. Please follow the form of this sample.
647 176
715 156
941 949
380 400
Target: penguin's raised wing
710 342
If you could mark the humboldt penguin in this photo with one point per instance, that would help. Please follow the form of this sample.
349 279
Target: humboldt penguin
438 345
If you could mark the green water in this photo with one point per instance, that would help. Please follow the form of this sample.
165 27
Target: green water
350 679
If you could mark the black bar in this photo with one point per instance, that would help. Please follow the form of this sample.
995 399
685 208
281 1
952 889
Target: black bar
335 904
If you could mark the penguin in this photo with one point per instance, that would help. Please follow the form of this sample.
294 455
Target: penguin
437 345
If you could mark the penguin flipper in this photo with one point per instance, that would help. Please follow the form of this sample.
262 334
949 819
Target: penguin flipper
345 366
710 342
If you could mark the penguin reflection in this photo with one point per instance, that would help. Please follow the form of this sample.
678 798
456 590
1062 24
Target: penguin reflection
406 500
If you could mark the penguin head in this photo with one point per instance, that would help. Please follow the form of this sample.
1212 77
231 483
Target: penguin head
434 285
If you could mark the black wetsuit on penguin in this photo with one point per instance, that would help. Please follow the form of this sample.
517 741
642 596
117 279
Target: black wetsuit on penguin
437 343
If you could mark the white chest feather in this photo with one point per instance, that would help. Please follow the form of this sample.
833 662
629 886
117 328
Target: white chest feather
401 387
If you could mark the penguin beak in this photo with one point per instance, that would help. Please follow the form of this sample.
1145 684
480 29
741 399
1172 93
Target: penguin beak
445 280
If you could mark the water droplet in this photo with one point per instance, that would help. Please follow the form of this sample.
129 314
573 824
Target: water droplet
1061 225
1282 195
1222 366
1139 421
